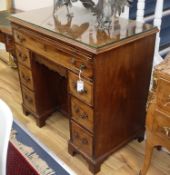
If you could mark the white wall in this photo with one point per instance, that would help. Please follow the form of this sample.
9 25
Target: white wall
2 7
27 4
35 4
31 4
2 4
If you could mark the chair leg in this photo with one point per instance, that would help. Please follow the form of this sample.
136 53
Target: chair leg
147 159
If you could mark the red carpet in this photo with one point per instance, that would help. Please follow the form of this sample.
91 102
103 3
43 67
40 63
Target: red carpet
17 164
26 156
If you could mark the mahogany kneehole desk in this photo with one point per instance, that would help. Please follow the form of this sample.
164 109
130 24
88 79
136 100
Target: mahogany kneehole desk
116 68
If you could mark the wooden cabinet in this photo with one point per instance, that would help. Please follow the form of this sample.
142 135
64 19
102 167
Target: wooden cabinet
109 111
158 117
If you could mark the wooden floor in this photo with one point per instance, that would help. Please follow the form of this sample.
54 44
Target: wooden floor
55 135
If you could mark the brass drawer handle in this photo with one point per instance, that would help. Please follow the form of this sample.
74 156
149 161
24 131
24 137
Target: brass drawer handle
26 78
84 116
84 141
78 110
28 99
165 130
83 91
24 58
20 54
20 38
82 67
73 60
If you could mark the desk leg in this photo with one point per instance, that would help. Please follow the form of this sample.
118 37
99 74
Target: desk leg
10 48
140 137
94 168
94 165
71 150
40 122
25 111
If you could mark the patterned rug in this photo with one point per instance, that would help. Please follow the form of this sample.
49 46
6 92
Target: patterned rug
26 156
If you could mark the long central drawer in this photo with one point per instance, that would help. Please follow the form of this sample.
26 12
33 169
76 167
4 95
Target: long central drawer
53 54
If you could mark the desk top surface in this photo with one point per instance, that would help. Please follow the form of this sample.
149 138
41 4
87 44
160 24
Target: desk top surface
82 27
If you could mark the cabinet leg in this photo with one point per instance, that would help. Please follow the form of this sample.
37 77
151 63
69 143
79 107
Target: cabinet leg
140 137
25 111
71 150
147 159
40 122
159 148
94 168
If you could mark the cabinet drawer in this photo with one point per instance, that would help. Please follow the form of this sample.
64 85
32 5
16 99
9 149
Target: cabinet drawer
26 76
82 114
163 94
28 99
23 56
161 124
52 53
86 95
82 139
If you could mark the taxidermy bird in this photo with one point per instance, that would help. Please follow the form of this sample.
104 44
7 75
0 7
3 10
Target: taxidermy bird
89 4
117 6
105 9
60 3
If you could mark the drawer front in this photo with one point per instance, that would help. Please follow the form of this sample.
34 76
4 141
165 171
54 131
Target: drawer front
82 139
86 95
161 124
53 54
163 94
28 99
26 76
23 56
82 114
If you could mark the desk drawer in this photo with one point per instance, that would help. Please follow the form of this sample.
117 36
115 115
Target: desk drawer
28 99
82 114
161 125
86 95
26 76
163 94
23 56
81 138
49 50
